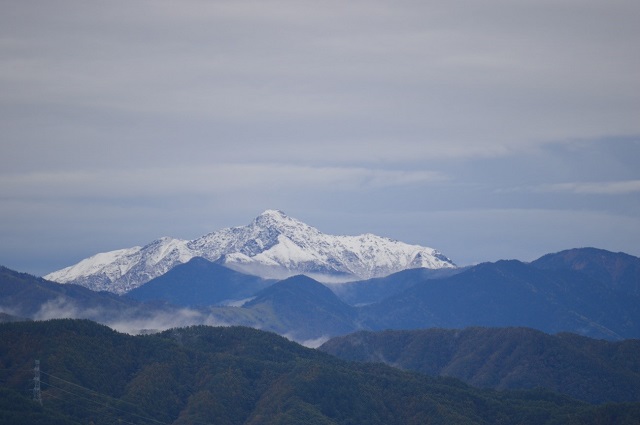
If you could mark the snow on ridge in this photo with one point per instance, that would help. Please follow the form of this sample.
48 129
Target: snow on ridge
96 263
165 246
272 245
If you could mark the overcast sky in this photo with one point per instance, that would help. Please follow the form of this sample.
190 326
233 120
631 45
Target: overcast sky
487 130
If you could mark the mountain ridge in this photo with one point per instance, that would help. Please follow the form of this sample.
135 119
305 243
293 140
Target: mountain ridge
301 300
273 245
550 296
588 369
512 293
199 282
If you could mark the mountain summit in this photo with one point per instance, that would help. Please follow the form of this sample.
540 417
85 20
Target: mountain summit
273 245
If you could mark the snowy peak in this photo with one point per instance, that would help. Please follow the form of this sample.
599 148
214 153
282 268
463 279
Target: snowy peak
271 218
272 223
112 265
273 245
124 269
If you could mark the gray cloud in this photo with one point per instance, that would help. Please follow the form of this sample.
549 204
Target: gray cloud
599 188
432 79
201 180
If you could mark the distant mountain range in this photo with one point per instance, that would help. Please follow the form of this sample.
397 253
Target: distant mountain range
200 282
590 301
24 295
273 246
586 291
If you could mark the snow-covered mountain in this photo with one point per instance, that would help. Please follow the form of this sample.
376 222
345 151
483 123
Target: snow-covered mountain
272 246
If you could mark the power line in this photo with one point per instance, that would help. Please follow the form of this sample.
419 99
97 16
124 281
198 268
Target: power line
110 398
105 404
116 400
87 389
93 410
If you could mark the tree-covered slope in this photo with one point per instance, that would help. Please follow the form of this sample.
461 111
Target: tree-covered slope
203 375
506 358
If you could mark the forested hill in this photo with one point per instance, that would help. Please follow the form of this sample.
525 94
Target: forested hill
201 375
506 358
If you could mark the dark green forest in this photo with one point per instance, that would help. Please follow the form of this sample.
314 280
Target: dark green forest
588 369
91 374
